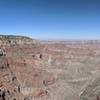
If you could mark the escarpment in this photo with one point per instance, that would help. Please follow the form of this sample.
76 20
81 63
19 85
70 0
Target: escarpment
21 73
10 40
42 70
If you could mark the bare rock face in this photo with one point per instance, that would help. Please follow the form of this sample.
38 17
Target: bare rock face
8 82
2 52
16 40
63 70
92 91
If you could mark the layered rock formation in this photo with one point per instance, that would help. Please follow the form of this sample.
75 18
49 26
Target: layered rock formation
65 70
22 76
10 40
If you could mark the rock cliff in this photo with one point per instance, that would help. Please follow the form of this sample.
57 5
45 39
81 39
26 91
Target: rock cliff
10 40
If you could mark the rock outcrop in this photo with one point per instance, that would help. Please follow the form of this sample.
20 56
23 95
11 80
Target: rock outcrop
9 40
9 86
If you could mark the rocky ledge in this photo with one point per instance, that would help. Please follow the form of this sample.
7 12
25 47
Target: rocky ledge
11 40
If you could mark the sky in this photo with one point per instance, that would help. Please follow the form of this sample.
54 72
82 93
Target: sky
51 19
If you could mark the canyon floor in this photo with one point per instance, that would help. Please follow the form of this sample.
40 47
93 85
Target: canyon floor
49 70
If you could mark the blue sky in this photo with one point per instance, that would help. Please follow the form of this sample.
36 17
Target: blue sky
51 19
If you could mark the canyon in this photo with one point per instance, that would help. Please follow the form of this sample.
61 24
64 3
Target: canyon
33 69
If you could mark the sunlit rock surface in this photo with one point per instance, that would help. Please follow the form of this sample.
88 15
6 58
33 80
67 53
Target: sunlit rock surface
49 70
